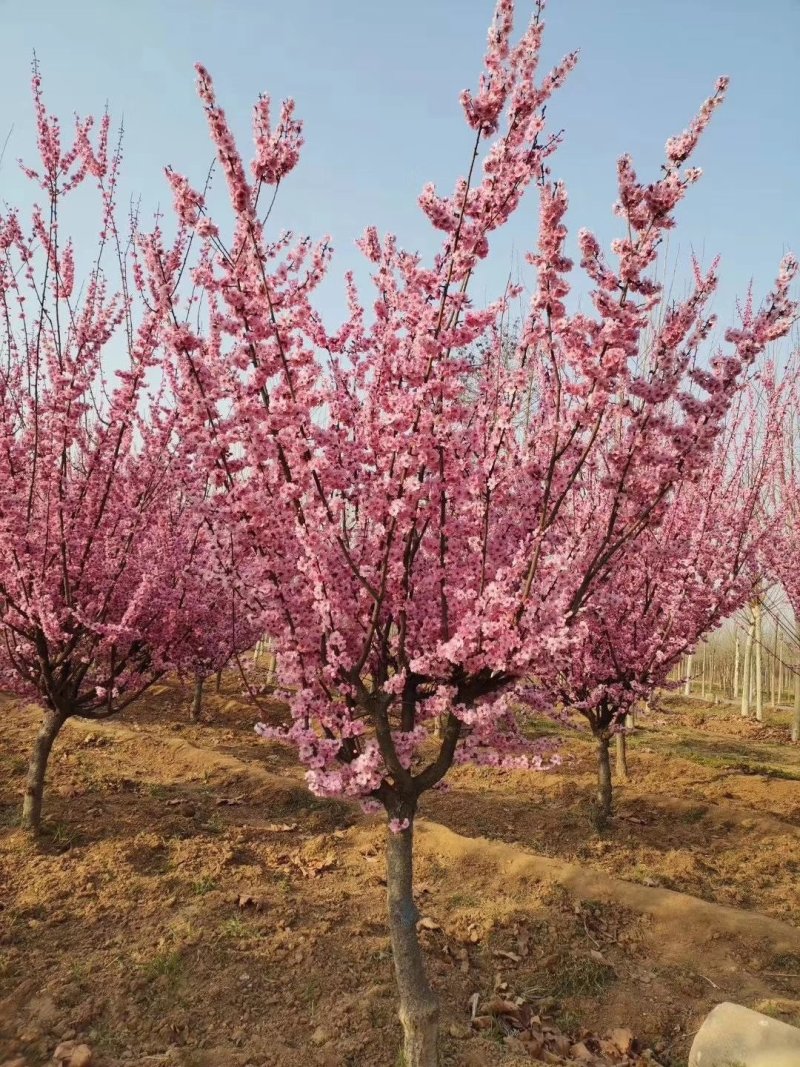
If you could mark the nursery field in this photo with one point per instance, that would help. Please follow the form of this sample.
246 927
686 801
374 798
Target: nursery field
190 903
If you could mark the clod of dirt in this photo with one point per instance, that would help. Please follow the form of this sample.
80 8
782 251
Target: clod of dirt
320 1036
70 1054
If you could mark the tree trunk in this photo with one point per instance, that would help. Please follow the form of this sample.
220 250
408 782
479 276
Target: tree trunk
687 686
703 673
622 755
759 672
746 666
197 701
773 678
219 680
419 1009
604 788
736 670
272 666
796 719
439 724
37 768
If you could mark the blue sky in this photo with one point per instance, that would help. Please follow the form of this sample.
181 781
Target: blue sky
377 85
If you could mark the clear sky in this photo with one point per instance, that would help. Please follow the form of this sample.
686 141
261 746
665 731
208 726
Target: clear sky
377 85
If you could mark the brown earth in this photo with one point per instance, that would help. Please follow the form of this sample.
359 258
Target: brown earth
191 904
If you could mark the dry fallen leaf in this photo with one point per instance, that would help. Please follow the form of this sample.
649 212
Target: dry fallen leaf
561 1044
474 1000
483 1022
507 955
426 923
533 1043
581 1052
498 1006
622 1038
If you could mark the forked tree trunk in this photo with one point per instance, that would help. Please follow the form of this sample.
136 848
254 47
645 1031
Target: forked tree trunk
622 756
37 768
419 1009
197 700
604 787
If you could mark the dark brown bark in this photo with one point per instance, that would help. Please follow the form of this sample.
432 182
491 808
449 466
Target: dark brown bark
37 768
419 1009
197 700
604 787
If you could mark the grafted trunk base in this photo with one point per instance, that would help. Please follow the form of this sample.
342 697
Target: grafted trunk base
419 1008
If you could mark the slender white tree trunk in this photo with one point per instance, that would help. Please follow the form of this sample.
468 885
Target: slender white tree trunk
272 664
773 674
687 687
197 698
622 756
736 669
759 674
796 719
704 672
748 656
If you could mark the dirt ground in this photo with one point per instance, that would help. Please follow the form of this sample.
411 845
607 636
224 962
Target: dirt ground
190 904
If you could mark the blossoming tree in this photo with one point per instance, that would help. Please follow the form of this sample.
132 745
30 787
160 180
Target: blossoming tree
90 562
680 579
412 549
781 551
215 619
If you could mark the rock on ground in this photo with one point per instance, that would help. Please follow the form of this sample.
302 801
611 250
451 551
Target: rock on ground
733 1036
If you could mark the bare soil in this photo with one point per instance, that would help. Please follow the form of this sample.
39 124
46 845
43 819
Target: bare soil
191 904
